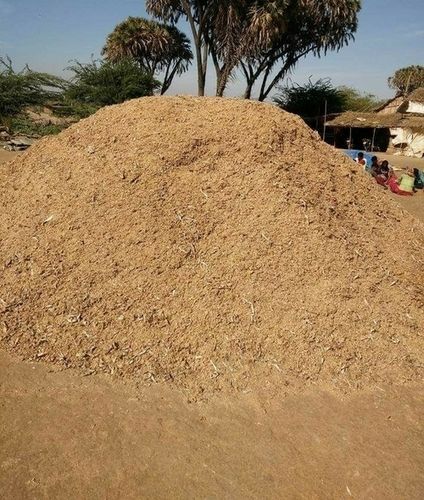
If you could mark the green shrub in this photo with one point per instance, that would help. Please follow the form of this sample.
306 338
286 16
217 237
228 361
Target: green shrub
22 125
98 84
309 100
19 90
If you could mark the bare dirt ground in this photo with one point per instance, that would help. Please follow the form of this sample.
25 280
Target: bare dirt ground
68 436
6 155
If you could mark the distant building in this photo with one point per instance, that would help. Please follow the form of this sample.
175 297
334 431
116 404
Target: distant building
397 125
390 106
414 103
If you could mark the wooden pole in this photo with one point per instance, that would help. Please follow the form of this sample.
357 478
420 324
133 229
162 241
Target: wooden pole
325 121
372 142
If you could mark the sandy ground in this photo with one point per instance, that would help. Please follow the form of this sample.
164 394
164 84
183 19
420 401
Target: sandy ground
6 155
68 436
64 436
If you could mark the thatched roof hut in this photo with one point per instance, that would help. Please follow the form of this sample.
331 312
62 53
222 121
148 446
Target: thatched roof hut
390 106
400 120
413 103
417 95
404 131
352 119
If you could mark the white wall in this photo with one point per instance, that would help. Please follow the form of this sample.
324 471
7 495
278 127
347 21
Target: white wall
415 107
414 141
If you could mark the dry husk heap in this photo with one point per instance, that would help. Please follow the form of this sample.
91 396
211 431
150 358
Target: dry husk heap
208 243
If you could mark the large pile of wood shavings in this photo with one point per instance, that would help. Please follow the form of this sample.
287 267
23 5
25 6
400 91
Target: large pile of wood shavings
214 244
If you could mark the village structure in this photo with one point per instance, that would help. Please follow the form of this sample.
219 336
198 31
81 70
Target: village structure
395 127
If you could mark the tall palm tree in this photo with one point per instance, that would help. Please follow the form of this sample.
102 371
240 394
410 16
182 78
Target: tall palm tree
278 33
156 47
177 58
265 38
198 14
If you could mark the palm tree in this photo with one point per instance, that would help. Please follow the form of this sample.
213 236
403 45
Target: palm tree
265 38
156 47
177 58
279 33
198 14
406 80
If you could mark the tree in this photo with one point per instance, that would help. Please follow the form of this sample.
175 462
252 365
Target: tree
265 38
198 14
228 37
154 46
309 100
406 80
21 89
216 29
353 100
103 83
280 33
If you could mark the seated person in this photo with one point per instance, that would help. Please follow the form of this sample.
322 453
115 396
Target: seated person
361 160
393 184
375 166
383 173
419 179
406 181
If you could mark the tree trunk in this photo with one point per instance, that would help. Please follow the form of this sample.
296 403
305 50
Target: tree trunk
249 88
262 93
201 80
223 79
165 84
204 63
290 63
169 76
197 38
221 83
218 71
251 76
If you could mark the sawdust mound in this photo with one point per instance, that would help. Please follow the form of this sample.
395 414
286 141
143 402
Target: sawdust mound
211 243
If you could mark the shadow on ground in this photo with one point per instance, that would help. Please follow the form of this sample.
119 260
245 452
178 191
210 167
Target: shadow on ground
68 436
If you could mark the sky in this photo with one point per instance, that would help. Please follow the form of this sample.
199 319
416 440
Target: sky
49 34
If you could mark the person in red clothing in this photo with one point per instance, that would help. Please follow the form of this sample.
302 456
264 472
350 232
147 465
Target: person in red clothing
383 174
393 184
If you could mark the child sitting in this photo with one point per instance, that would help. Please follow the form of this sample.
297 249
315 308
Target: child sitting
361 160
383 173
375 166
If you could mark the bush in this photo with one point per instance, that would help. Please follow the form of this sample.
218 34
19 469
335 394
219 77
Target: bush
23 125
19 90
309 100
93 85
98 84
354 100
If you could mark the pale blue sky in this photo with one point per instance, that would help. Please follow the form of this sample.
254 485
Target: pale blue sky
47 34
